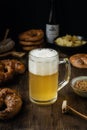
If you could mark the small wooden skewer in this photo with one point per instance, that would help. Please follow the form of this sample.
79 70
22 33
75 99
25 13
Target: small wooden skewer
5 37
13 53
6 34
18 54
66 108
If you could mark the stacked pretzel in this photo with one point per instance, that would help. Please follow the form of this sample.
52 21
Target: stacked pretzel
31 39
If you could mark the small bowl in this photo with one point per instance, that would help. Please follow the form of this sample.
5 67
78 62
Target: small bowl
77 90
72 49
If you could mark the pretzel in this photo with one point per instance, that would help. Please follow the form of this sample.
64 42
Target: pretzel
12 101
10 67
31 35
79 60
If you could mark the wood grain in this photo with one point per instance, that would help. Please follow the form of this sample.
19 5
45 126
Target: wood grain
34 117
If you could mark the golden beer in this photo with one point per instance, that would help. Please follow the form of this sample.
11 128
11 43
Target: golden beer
43 88
43 76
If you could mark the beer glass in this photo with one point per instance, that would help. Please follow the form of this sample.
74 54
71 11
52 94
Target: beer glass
43 66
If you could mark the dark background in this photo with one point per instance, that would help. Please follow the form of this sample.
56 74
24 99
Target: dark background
21 15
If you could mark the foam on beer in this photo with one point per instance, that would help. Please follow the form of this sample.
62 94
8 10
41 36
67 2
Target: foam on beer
43 61
44 53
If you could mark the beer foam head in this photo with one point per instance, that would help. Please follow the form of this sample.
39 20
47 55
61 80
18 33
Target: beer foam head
44 53
43 61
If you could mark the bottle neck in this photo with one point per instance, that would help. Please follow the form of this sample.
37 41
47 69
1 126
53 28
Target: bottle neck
52 16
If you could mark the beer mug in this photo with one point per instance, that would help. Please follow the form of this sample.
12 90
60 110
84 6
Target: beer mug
43 66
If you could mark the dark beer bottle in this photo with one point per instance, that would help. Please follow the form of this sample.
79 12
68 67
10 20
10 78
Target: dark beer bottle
52 27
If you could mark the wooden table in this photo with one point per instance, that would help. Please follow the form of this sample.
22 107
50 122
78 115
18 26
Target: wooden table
34 117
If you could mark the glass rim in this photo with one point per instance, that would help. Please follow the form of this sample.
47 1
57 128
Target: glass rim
47 57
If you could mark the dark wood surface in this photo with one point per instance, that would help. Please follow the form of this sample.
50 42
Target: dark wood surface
34 117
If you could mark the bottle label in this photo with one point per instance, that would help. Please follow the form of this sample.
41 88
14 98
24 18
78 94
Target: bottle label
52 31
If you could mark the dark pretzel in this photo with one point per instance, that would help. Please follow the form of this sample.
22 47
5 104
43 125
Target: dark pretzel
9 67
32 35
79 60
16 65
12 101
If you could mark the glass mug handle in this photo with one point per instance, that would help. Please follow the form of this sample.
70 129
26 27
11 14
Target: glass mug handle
67 75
